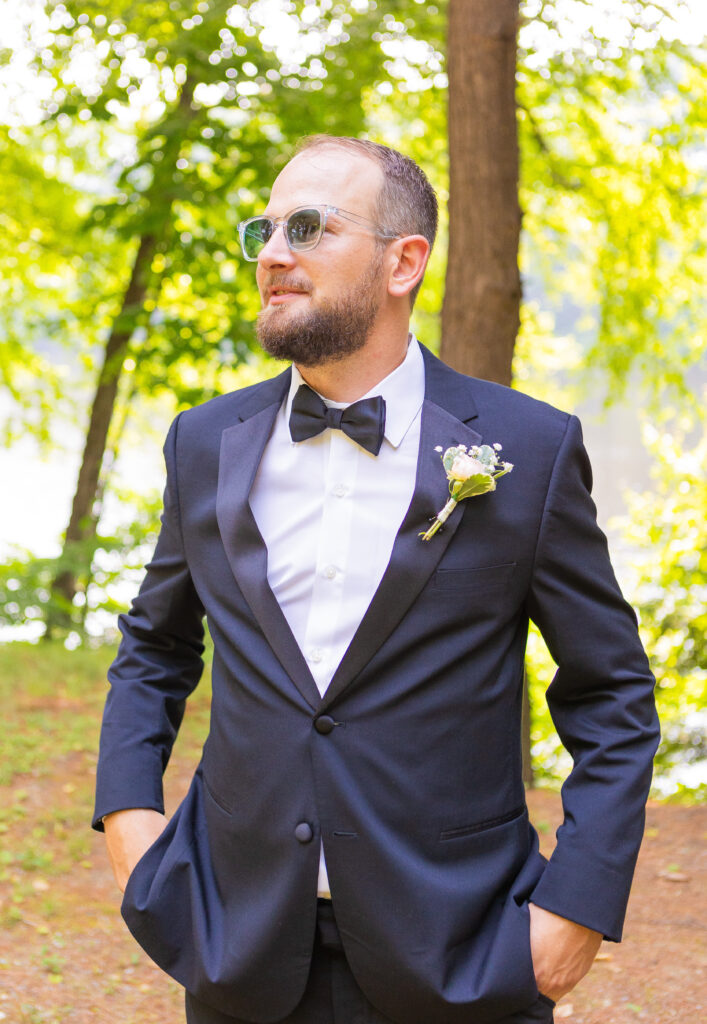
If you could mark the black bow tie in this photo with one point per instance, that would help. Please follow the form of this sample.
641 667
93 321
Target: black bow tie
363 422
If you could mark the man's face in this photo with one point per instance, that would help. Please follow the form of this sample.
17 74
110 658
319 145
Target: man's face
320 305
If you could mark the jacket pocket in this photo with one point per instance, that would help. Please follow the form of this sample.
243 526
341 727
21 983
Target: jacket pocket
481 826
481 578
215 798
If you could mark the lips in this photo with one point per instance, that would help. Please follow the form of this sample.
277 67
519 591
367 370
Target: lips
280 296
274 285
283 299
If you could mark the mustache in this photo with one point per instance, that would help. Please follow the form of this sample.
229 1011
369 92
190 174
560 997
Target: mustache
284 282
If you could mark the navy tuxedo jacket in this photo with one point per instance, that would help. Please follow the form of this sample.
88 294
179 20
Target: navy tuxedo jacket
409 767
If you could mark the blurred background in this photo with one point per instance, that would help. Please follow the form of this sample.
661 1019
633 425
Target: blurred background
134 137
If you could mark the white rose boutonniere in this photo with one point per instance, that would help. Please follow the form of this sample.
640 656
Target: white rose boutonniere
470 472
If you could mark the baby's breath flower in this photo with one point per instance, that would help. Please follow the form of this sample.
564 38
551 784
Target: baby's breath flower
470 472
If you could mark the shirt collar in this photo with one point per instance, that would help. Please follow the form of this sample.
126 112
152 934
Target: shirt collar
403 391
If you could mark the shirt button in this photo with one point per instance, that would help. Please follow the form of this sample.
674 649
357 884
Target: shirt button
316 655
330 572
340 490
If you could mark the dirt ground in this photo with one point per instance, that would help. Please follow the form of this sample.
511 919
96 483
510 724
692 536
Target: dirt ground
65 954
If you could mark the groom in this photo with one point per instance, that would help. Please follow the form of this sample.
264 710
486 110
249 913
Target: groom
355 844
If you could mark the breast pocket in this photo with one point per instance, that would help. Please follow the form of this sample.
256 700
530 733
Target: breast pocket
476 578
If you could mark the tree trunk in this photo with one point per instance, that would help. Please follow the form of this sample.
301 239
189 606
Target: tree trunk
82 523
480 314
481 309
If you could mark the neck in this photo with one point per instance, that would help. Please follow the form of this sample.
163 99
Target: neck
348 379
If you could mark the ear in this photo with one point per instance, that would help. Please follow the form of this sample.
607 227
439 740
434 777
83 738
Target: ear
410 259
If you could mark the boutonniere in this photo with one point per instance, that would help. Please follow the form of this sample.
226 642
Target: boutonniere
470 471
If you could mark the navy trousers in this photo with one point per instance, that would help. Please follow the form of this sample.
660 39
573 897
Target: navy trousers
332 995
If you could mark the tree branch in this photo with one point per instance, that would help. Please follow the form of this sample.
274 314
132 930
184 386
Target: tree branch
557 176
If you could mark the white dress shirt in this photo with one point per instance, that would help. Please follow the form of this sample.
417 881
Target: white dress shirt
329 511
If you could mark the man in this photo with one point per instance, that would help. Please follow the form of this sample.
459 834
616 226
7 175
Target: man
355 844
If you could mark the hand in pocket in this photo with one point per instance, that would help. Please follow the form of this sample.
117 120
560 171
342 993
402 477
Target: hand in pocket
129 835
562 951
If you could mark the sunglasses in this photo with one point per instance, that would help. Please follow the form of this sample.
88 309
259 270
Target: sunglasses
303 229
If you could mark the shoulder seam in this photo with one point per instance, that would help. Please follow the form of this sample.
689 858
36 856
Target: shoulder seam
570 419
177 502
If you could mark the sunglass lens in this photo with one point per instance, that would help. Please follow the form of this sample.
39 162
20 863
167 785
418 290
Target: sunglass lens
257 234
304 229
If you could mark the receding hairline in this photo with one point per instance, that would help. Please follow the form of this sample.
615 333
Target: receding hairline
371 198
311 143
331 144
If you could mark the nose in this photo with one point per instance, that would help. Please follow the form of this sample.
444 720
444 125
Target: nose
276 252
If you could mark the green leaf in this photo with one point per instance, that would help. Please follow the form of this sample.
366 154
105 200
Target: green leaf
479 483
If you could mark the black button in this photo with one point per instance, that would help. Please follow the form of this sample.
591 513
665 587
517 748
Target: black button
324 724
304 832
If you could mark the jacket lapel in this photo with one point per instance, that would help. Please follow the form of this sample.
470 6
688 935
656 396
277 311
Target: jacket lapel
447 403
241 451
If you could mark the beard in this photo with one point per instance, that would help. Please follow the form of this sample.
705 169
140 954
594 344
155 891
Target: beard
327 332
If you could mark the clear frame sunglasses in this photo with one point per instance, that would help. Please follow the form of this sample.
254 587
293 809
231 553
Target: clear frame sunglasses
303 228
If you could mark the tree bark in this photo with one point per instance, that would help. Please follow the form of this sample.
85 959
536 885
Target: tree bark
481 309
480 314
82 523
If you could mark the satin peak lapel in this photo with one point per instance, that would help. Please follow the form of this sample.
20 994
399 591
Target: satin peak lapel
241 450
412 560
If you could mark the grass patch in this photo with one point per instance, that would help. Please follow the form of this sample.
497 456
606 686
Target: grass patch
52 702
56 892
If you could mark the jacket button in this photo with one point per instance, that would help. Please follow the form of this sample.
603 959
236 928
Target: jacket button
324 724
304 833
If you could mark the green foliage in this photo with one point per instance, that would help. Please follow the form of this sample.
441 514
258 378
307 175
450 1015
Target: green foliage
667 532
223 113
208 102
551 762
52 962
99 565
44 266
613 192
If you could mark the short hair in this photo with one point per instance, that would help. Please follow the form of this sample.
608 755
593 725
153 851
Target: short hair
406 203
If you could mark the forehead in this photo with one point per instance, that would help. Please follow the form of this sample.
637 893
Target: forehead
331 175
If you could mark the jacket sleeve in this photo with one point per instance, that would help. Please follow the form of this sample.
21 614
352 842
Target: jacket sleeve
601 701
158 665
